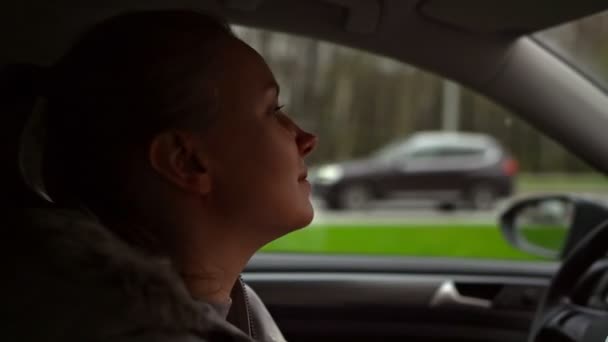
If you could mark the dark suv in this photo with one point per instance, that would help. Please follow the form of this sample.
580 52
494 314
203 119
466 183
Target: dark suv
447 167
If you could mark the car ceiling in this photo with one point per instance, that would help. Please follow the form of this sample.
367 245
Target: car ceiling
506 17
472 41
418 32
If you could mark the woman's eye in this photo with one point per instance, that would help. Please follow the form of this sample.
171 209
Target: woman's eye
277 111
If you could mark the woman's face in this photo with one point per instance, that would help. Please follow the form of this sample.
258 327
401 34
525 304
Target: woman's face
256 152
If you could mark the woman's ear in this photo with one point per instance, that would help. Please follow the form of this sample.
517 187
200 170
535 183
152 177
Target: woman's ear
178 158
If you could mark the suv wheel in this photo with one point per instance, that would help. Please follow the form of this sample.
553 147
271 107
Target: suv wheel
354 197
446 206
482 196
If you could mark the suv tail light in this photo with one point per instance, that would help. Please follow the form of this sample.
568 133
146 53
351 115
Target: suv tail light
510 166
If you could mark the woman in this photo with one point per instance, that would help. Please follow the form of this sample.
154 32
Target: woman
167 130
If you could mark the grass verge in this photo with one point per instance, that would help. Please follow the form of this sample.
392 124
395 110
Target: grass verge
457 240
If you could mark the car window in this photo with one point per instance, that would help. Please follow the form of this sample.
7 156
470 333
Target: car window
428 152
371 114
393 151
461 152
449 151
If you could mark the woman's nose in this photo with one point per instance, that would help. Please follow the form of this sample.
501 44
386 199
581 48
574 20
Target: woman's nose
306 142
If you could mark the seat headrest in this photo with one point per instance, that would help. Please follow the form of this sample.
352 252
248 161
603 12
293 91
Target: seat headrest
20 141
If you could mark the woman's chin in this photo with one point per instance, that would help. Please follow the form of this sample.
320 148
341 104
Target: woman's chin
303 217
306 218
290 217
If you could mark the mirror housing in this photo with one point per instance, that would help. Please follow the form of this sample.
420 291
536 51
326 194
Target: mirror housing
550 226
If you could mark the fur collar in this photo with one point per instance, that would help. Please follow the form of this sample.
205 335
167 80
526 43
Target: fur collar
127 290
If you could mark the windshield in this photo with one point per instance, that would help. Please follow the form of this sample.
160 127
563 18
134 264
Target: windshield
583 44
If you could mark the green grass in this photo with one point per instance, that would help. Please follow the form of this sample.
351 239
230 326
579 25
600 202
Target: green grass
548 237
462 241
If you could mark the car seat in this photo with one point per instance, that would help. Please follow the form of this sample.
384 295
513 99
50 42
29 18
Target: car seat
20 143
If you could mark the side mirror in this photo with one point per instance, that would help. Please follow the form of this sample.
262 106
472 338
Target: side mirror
550 226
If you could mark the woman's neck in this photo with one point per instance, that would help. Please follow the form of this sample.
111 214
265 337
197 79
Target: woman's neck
209 254
211 285
210 270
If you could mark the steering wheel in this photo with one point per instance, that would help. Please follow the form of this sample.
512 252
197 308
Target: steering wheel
559 317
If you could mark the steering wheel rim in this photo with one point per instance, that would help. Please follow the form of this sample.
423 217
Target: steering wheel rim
557 314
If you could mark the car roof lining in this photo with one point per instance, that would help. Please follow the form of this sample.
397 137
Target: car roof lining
506 17
392 29
359 16
417 32
475 16
327 19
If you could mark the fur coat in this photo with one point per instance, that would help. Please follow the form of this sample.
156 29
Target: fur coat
70 279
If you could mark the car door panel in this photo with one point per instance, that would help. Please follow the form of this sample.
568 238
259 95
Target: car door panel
320 300
399 181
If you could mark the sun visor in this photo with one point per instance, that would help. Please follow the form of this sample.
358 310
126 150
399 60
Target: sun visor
514 17
243 5
361 16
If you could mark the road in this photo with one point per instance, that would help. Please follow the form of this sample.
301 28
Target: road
395 212
399 211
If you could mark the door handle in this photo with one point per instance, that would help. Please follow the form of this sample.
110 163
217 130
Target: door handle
447 295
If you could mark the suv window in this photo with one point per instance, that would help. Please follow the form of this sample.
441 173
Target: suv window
448 151
428 152
461 152
370 196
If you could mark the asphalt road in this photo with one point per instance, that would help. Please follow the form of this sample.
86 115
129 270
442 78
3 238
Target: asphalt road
399 211
395 212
